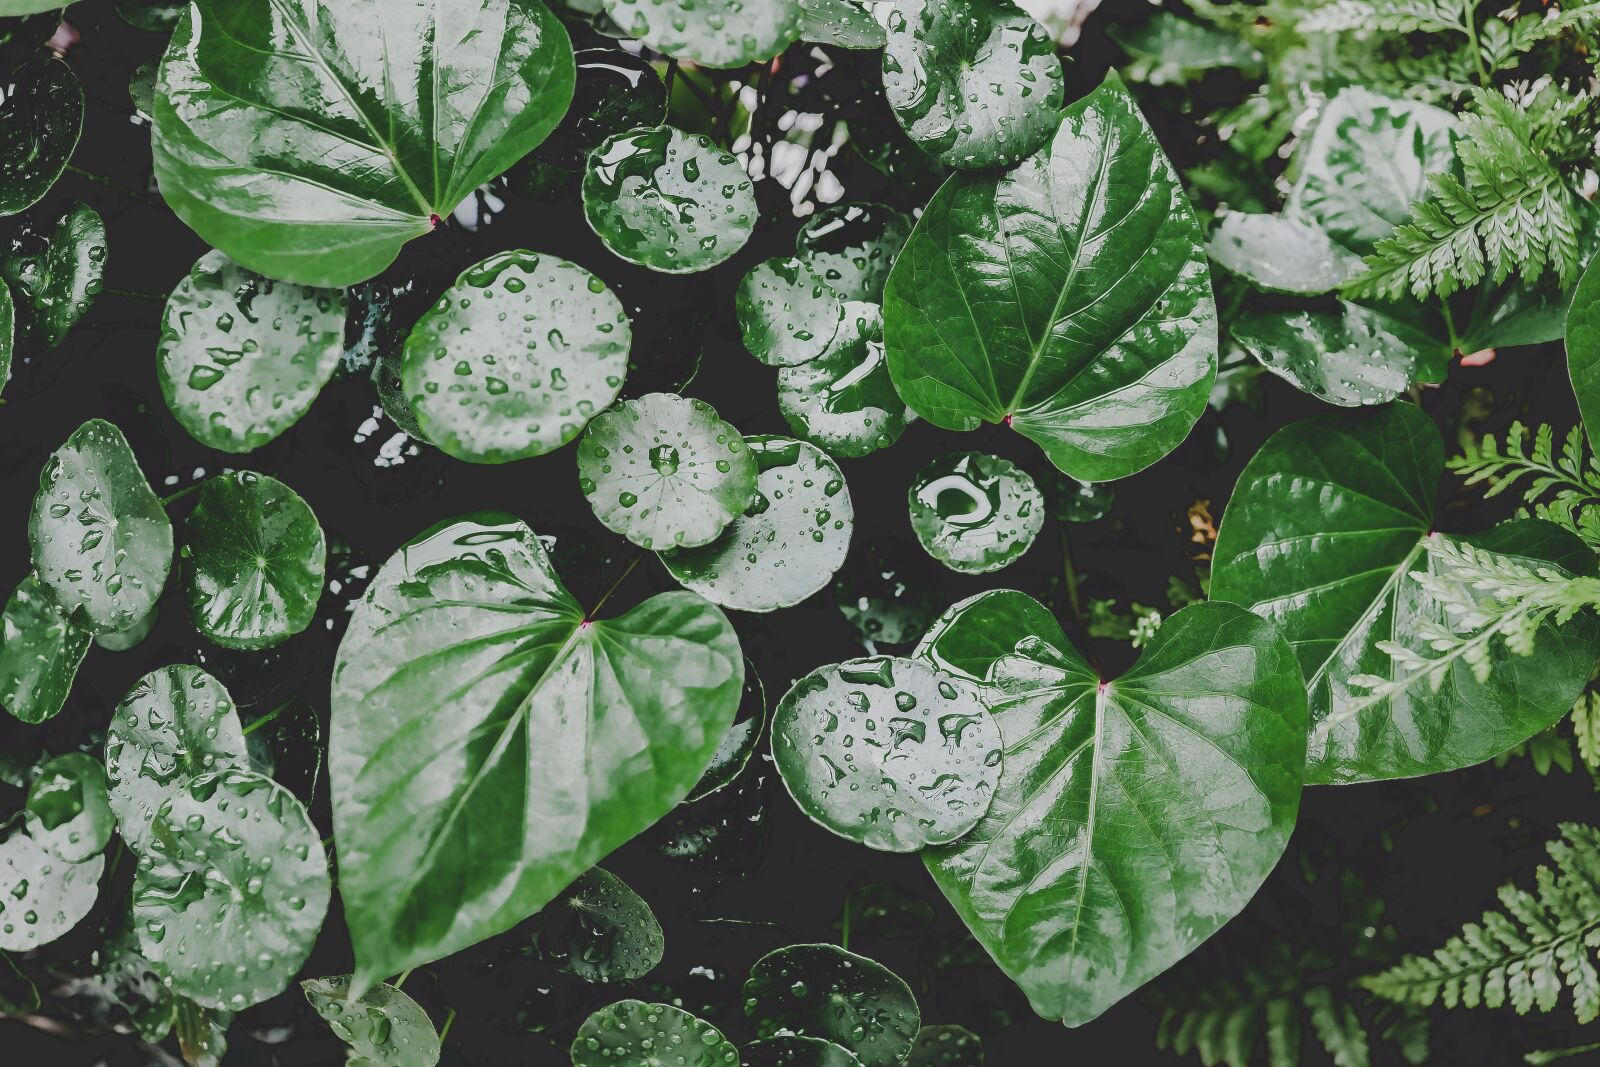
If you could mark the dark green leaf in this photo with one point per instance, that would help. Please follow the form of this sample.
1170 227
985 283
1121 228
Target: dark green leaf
242 357
489 742
631 1033
616 91
1324 531
1346 356
853 246
1166 49
1070 297
40 652
156 16
788 313
383 1026
515 358
309 147
40 122
823 991
202 1034
742 739
844 400
42 897
974 512
1280 255
1134 816
67 813
8 332
946 1046
710 33
1583 349
256 559
793 1050
600 930
101 541
886 591
842 23
54 277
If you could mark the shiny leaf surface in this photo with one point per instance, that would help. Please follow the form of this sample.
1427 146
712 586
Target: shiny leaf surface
1583 349
1280 255
67 813
383 1026
615 91
1347 356
844 400
40 123
794 1050
853 246
712 33
42 897
974 512
54 277
599 929
823 991
40 652
788 313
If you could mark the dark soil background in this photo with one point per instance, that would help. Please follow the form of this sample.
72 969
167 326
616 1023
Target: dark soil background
741 872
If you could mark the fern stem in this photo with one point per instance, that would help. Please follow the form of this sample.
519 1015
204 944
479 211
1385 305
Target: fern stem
1470 24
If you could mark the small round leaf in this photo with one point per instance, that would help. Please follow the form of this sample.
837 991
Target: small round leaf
615 91
631 1033
946 1046
383 1026
711 33
793 1050
742 739
823 991
42 897
887 592
55 276
788 313
975 513
599 929
67 813
40 652
844 400
853 246
40 122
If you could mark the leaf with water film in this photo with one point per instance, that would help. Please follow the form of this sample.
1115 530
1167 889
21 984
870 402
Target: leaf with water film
1069 297
844 400
241 357
615 91
1280 255
490 741
710 33
310 140
102 544
515 358
40 652
383 1026
665 472
54 277
887 752
1346 355
790 539
852 246
67 814
1134 816
41 896
599 929
974 512
637 1034
256 557
823 991
175 723
668 200
975 83
788 313
231 888
795 1050
41 119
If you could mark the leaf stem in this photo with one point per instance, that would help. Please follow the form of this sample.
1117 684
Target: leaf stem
1468 10
1070 575
398 982
268 717
449 1021
844 925
167 501
632 563
99 179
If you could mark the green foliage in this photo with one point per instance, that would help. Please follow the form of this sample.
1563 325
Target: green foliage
1561 487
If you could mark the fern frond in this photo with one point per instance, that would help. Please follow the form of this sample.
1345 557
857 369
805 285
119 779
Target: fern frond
1524 954
1393 16
1563 488
1586 726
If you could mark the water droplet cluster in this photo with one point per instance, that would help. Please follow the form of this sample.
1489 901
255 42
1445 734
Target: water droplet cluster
975 512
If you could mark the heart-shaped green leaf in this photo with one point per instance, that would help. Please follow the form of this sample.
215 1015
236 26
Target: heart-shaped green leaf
665 472
887 752
42 897
309 147
1324 533
844 400
40 122
40 652
668 200
636 1034
794 1050
242 357
788 313
975 83
67 813
823 991
974 512
853 246
791 538
1346 355
383 1026
1583 348
1070 297
515 358
711 33
599 929
175 723
1280 255
54 277
489 742
1134 817
101 541
256 559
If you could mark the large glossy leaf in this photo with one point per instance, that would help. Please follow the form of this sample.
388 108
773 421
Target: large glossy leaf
54 276
67 813
823 991
788 312
1346 355
1327 526
310 139
40 122
1134 816
102 544
241 357
1070 297
42 897
489 742
40 652
1583 349
383 1026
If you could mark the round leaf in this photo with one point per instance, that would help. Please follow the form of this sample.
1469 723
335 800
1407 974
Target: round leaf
788 542
788 313
40 652
853 246
515 358
887 752
383 1026
175 723
668 200
946 1046
1347 357
67 813
741 740
711 33
242 357
42 897
600 930
844 400
55 277
256 560
663 471
231 889
101 541
1280 255
40 122
122 640
975 83
793 1050
631 1033
975 513
615 91
826 992
309 147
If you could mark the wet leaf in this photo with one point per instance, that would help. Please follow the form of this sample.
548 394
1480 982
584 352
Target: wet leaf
471 692
665 472
40 122
788 313
55 276
40 652
1323 535
515 358
986 313
975 83
310 148
710 33
101 541
600 930
841 23
616 91
788 542
125 992
853 246
242 357
42 897
202 1034
946 1046
887 752
231 888
1583 349
1074 500
636 1034
256 560
793 1050
175 723
132 637
383 1026
668 200
67 813
1167 49
154 16
823 991
741 741
844 400
1280 255
1348 356
8 332
887 592
1135 816
974 512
